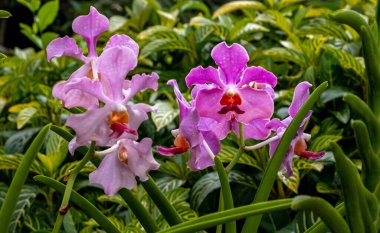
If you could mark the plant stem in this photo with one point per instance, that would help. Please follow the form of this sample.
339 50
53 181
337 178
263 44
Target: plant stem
227 194
87 207
70 183
236 158
165 207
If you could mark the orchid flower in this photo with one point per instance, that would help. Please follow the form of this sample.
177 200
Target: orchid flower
117 119
90 27
298 144
123 163
234 92
191 137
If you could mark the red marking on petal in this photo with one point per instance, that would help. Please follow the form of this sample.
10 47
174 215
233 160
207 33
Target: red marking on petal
119 129
300 146
312 155
181 146
230 102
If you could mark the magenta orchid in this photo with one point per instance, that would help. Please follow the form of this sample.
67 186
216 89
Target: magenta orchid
123 163
191 137
234 92
298 144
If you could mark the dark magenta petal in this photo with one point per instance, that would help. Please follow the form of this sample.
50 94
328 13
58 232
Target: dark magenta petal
189 128
301 93
232 60
200 75
170 151
256 129
256 104
258 74
312 155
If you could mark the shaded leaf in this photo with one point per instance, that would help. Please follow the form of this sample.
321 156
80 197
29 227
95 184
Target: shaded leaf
164 115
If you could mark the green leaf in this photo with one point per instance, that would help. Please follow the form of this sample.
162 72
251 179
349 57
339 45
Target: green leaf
2 58
165 114
17 142
11 162
347 61
227 153
28 193
322 142
168 183
304 220
116 23
334 93
300 163
32 5
210 182
4 14
24 116
27 31
323 187
158 32
56 149
292 182
238 5
47 14
47 37
285 55
164 44
68 223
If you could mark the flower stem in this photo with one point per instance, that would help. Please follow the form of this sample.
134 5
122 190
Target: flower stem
88 208
69 186
236 158
226 191
166 208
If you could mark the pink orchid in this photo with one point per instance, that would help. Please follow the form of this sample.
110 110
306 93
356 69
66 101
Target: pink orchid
190 136
90 27
298 145
234 92
120 167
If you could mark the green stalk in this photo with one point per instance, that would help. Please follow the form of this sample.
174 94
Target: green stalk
371 162
165 207
324 210
236 158
270 174
70 183
214 219
18 181
320 226
226 191
139 210
351 192
87 207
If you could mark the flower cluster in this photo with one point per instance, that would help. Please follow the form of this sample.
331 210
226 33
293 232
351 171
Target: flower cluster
99 86
228 96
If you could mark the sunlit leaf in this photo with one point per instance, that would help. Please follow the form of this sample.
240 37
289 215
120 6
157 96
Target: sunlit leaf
47 14
164 115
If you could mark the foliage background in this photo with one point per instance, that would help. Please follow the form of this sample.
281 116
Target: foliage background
294 39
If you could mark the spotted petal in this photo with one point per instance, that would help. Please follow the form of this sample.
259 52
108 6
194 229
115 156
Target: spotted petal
123 41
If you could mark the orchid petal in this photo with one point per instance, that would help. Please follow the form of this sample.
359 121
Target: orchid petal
256 104
258 74
255 129
232 60
184 106
301 93
123 41
113 65
113 175
74 98
139 83
208 104
137 114
189 128
63 46
200 75
90 27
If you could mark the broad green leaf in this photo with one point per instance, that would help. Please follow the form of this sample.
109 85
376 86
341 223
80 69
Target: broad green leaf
11 162
347 61
238 5
292 182
300 163
19 107
28 193
47 14
164 44
2 58
227 153
210 182
114 199
4 14
24 116
17 142
47 37
202 33
333 93
158 32
304 220
116 23
65 169
322 142
32 5
56 150
218 29
285 55
68 223
27 31
166 18
164 115
195 5
168 183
